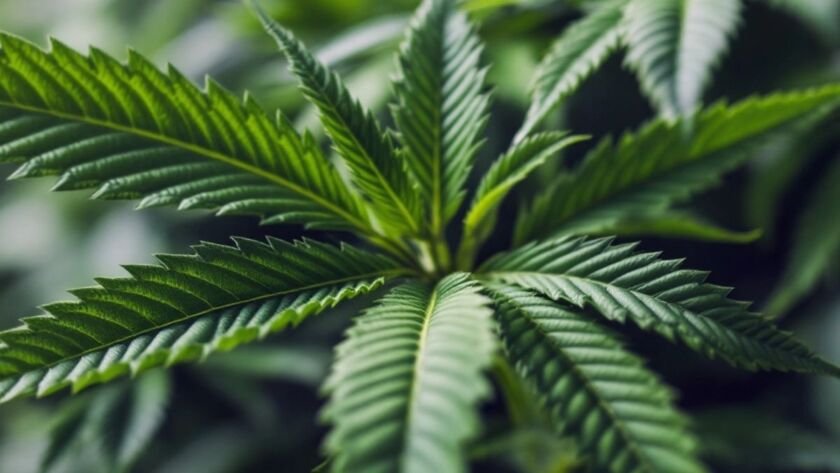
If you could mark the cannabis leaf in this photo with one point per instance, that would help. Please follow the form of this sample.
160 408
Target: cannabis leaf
358 137
440 108
625 285
571 59
216 299
619 412
645 173
510 169
405 384
134 132
816 243
673 44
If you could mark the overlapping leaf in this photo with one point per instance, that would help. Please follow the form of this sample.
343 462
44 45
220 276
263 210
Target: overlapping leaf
113 425
673 45
646 172
619 412
572 58
509 170
816 245
214 300
405 384
441 106
623 284
376 167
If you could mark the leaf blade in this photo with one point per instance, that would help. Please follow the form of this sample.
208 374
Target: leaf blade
575 55
673 45
134 132
376 167
440 109
618 411
395 377
645 173
216 299
624 285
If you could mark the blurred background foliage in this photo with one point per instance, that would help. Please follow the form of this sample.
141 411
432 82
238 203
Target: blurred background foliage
253 410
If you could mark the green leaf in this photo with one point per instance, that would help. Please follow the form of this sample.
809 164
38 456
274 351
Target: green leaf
656 295
779 162
645 173
753 438
816 246
509 170
115 423
375 166
404 388
673 45
620 414
135 132
216 299
441 109
576 54
676 225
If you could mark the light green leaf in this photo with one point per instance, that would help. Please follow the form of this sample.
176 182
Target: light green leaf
572 58
625 285
509 170
621 415
645 173
214 300
441 108
404 388
135 132
673 45
376 168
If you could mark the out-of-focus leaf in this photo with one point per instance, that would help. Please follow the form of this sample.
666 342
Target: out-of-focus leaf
113 424
816 244
307 365
531 450
677 225
749 439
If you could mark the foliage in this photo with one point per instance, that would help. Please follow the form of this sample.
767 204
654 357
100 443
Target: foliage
408 381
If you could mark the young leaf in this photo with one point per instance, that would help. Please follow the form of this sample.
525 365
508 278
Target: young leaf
655 294
509 170
673 45
620 414
376 167
218 298
404 388
576 54
647 172
135 132
816 244
441 109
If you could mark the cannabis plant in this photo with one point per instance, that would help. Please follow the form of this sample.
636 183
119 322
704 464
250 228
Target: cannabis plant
407 382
